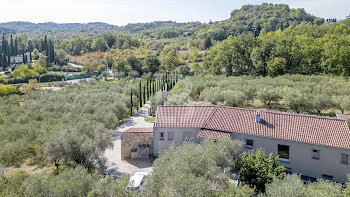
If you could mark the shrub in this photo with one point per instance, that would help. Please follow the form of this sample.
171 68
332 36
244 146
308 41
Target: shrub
3 80
6 90
24 72
40 70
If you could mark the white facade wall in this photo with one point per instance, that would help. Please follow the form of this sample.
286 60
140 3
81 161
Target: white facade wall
300 154
300 157
179 134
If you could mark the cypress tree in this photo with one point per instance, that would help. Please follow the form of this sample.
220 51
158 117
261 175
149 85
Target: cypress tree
154 86
144 95
48 52
3 44
53 52
2 62
131 111
24 58
16 47
30 57
149 88
8 58
12 47
45 45
140 96
42 46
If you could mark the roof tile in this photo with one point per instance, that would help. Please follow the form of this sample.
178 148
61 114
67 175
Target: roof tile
286 126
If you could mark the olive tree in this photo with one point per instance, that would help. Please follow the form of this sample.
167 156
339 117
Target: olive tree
70 182
292 186
321 102
235 98
257 169
268 95
193 169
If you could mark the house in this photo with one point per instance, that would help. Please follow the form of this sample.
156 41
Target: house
136 143
313 146
19 59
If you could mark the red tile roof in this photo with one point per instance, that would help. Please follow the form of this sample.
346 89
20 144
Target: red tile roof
343 116
139 130
207 133
188 116
286 126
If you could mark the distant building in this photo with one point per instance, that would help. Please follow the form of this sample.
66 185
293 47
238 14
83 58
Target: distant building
19 59
313 146
190 31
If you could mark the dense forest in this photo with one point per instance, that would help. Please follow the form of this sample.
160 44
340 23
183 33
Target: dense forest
249 19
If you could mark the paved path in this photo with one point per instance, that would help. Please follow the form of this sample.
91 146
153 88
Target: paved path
74 65
115 165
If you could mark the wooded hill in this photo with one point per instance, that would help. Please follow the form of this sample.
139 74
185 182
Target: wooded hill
248 19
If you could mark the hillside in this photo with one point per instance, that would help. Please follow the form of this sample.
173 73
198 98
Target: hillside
253 18
249 19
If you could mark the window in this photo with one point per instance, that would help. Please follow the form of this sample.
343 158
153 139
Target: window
170 135
187 136
345 159
327 177
249 144
161 137
315 154
283 152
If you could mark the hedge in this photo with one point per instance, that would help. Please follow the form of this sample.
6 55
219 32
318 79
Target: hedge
64 69
81 76
43 78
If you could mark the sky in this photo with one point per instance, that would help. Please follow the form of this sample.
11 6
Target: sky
122 12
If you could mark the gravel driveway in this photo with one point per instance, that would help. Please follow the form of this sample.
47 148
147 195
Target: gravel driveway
115 165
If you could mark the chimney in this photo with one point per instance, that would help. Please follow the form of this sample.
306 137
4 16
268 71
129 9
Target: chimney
257 118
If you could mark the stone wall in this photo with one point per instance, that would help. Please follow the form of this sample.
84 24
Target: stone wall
133 140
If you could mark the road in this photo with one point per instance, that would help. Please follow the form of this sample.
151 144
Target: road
117 166
74 65
73 81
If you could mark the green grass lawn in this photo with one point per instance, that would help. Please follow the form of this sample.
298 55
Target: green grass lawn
153 119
